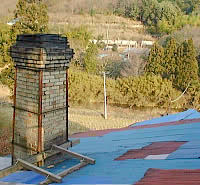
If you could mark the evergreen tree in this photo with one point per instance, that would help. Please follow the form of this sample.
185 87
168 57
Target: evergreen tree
120 7
170 60
155 60
148 12
5 43
31 16
177 63
133 11
90 58
187 65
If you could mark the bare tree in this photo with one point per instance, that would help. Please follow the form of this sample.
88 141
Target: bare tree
134 66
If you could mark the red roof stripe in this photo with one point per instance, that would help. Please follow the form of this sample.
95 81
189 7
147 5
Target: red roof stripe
156 148
94 133
170 177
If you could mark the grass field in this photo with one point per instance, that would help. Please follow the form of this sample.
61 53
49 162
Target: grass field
5 107
5 128
111 26
81 119
92 118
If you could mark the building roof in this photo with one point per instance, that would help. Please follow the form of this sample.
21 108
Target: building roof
161 151
5 162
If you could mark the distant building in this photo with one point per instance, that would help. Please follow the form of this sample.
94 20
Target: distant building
124 43
146 43
12 22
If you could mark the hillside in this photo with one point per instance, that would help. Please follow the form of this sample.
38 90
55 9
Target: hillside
111 26
68 14
7 7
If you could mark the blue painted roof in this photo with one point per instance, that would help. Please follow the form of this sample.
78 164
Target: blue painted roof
188 114
104 149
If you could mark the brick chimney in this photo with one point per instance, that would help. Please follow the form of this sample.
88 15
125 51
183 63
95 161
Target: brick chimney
40 116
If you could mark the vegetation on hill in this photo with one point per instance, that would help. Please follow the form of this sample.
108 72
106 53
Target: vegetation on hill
101 25
175 62
155 80
183 34
161 16
31 17
141 91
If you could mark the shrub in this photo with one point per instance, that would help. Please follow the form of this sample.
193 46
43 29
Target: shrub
148 90
115 48
5 43
193 95
90 58
143 91
84 87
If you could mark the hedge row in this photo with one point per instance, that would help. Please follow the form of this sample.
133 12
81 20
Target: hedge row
142 91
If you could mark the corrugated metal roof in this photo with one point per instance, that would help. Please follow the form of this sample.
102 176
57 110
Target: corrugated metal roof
170 177
108 145
5 162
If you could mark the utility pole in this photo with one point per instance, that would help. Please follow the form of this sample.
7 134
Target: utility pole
128 51
107 32
107 36
105 98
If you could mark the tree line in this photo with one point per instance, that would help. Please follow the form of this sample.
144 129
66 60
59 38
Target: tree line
161 16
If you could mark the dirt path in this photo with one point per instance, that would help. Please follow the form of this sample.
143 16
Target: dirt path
4 92
2 68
